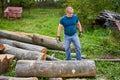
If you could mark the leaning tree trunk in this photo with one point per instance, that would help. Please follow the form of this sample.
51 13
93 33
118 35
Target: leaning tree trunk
18 37
48 42
24 54
26 68
23 45
15 78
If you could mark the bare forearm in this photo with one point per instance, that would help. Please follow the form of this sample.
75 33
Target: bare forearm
59 30
79 27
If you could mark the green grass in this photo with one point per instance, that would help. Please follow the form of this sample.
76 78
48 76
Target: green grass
95 43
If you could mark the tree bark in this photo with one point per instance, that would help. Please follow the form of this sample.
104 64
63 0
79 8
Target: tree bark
23 45
24 54
15 78
11 35
48 42
83 68
5 61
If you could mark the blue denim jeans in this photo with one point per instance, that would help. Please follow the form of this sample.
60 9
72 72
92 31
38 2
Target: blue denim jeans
67 41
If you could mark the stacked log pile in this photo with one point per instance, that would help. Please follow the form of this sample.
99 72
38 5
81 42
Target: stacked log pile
108 18
30 51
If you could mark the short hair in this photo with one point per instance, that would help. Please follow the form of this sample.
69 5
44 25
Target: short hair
69 7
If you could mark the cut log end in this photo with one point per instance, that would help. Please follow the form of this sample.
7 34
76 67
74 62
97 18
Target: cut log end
44 50
1 48
43 57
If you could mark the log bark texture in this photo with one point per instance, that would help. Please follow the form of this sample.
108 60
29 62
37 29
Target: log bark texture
50 43
24 54
18 37
17 78
26 68
22 45
5 61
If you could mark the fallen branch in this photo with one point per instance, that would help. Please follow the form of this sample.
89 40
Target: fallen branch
108 60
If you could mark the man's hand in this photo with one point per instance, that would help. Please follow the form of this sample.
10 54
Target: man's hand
80 34
58 39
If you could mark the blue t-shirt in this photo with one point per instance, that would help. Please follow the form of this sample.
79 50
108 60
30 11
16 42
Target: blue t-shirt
69 24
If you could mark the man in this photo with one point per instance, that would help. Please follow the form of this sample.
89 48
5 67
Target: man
70 22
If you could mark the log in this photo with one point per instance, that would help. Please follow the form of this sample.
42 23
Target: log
83 68
24 54
108 60
5 62
18 37
22 45
55 79
48 42
1 48
17 78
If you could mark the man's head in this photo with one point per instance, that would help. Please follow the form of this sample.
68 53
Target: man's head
69 11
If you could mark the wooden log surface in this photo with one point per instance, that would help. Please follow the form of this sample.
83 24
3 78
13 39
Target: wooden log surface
50 43
24 54
18 37
1 48
23 45
83 68
17 78
5 62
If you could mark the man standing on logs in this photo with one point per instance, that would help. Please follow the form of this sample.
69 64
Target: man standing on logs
70 22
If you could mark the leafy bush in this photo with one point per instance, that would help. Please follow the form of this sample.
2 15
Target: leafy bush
87 10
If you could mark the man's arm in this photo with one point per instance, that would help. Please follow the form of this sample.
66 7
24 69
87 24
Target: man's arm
79 27
58 33
59 29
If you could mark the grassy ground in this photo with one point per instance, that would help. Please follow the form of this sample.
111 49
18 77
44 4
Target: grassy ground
97 43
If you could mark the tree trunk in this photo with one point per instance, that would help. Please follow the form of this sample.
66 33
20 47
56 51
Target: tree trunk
5 61
15 78
1 48
83 68
11 35
23 45
24 54
48 42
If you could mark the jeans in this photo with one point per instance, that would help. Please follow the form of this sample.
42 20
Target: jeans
67 41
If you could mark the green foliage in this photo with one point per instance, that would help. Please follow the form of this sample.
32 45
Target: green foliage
50 3
87 10
109 70
95 43
22 3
